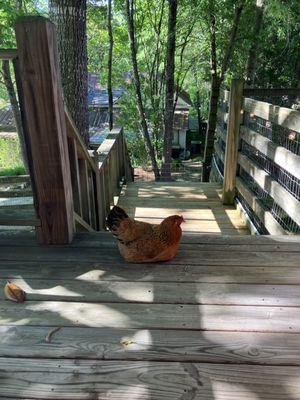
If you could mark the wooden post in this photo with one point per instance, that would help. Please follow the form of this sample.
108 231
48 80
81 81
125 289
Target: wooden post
232 143
43 103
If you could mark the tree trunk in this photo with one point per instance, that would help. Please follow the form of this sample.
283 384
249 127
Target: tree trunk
169 99
252 55
211 127
198 105
216 81
15 109
109 66
145 131
70 19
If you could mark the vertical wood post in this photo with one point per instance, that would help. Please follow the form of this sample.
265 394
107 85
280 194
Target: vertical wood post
232 143
43 104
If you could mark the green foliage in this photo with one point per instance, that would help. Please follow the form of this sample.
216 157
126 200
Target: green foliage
10 155
18 170
278 52
137 151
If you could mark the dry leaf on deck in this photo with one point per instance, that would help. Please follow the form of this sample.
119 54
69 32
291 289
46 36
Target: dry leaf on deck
126 343
14 293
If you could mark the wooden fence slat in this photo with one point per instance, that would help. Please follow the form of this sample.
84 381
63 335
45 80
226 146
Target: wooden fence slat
266 217
85 193
280 195
233 128
75 178
281 156
40 76
285 117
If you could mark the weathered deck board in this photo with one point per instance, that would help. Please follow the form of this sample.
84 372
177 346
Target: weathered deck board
184 256
99 239
151 344
118 380
152 316
18 216
159 292
87 271
221 321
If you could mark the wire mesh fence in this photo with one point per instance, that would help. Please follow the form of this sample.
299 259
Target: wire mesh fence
287 180
278 134
268 203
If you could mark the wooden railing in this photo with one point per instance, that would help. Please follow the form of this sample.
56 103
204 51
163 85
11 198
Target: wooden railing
73 187
257 157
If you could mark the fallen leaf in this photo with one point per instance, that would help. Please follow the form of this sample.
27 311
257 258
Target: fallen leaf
127 342
51 333
14 293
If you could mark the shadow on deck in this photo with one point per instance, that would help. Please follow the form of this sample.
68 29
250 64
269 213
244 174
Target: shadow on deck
199 203
220 321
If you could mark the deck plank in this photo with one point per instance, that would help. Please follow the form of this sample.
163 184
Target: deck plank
221 321
151 344
152 316
80 379
184 256
159 292
87 271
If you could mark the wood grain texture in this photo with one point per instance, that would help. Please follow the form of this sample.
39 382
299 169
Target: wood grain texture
136 344
153 316
285 117
183 257
146 380
280 155
88 271
99 239
18 216
37 51
232 142
159 292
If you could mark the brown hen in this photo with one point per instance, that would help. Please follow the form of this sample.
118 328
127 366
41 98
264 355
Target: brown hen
141 242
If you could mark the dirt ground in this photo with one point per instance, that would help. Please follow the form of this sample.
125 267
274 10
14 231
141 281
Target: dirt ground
189 171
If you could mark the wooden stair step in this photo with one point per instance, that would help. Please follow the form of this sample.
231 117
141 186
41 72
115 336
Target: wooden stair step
18 216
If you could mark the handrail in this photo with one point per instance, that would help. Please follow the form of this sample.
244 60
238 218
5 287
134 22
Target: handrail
73 187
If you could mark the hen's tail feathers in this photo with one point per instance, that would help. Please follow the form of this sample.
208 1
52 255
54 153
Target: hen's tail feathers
115 216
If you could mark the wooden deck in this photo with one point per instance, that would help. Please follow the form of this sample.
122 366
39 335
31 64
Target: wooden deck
220 321
199 203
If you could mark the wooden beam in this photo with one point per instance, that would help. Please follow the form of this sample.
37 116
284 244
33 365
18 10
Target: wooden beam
85 191
40 76
85 226
75 178
271 92
233 129
280 155
14 179
285 117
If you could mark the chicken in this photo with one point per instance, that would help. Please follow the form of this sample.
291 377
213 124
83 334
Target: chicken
141 242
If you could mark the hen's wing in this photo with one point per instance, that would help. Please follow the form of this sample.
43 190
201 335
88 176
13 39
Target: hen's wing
124 228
